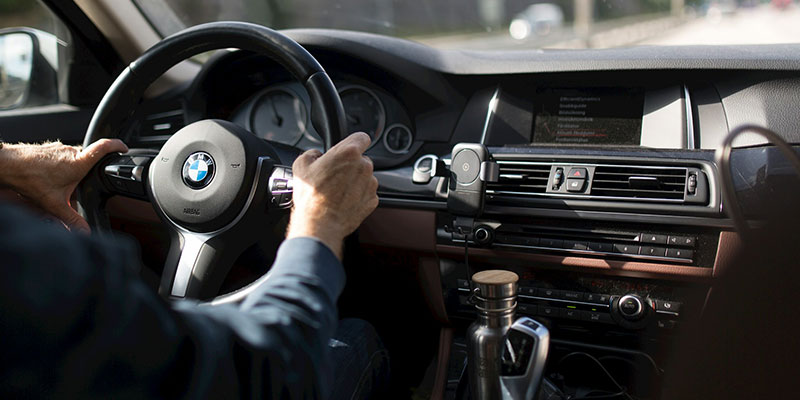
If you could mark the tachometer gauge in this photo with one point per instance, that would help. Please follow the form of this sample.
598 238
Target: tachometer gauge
279 115
364 111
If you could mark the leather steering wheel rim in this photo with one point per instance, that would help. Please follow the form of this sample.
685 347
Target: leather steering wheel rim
120 101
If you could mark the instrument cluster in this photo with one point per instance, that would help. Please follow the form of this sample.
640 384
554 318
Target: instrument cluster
282 113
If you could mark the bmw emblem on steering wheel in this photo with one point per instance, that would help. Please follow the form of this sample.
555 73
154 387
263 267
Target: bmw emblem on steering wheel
198 170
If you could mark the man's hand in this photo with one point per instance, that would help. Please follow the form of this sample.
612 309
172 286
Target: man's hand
333 192
48 174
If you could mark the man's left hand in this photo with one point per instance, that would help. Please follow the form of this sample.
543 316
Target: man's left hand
48 174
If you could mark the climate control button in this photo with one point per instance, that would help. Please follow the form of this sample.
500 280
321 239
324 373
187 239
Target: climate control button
631 307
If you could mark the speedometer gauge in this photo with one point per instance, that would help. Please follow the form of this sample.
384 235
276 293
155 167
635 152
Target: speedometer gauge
364 111
279 115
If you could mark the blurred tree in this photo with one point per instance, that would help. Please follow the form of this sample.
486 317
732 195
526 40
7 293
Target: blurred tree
16 6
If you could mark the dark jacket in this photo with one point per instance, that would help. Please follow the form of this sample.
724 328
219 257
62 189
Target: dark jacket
76 322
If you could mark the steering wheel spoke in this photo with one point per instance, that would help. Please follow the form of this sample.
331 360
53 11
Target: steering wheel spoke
198 263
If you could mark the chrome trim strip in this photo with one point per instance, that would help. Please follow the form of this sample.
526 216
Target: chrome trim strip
550 299
192 244
586 197
592 252
490 108
569 164
563 300
687 103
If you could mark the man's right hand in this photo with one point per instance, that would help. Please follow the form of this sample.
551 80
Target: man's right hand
333 192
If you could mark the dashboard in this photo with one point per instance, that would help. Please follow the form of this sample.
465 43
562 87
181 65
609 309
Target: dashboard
606 182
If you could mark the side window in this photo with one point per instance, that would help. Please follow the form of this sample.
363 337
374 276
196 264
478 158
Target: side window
32 41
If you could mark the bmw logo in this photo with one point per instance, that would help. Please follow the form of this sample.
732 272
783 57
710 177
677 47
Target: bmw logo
198 170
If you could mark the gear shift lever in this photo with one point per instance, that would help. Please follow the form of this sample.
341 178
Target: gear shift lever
505 358
524 355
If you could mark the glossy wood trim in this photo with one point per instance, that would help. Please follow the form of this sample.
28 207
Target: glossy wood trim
729 245
442 359
400 228
430 281
636 269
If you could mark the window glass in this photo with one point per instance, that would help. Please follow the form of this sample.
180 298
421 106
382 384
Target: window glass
32 41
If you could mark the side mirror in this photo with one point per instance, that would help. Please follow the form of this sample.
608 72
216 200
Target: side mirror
28 63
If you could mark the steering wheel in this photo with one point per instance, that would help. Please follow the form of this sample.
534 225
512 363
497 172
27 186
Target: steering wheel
213 184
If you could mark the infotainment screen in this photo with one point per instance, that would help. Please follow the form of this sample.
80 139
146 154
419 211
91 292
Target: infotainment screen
597 116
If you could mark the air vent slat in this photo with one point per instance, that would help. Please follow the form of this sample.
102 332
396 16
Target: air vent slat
642 173
625 184
521 178
639 182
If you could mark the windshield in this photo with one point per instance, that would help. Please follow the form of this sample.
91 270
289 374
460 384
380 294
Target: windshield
507 24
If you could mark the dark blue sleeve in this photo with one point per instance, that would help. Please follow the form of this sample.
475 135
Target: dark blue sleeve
76 322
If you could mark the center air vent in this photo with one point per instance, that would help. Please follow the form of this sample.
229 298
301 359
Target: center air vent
521 178
634 182
527 182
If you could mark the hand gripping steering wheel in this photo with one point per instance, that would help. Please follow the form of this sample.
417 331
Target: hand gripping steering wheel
213 183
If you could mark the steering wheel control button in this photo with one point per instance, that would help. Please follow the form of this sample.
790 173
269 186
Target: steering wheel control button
281 186
198 170
579 173
466 166
575 185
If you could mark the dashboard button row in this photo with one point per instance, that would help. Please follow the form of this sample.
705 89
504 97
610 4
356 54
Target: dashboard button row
565 313
650 238
564 295
622 248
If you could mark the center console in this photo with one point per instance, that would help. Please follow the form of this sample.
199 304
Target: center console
614 253
603 204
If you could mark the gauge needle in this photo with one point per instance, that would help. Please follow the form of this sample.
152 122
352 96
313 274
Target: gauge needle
353 120
277 120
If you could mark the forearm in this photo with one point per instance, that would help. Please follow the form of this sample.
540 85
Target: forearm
12 163
329 236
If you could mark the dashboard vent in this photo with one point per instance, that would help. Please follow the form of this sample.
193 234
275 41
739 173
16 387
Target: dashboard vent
521 178
639 182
